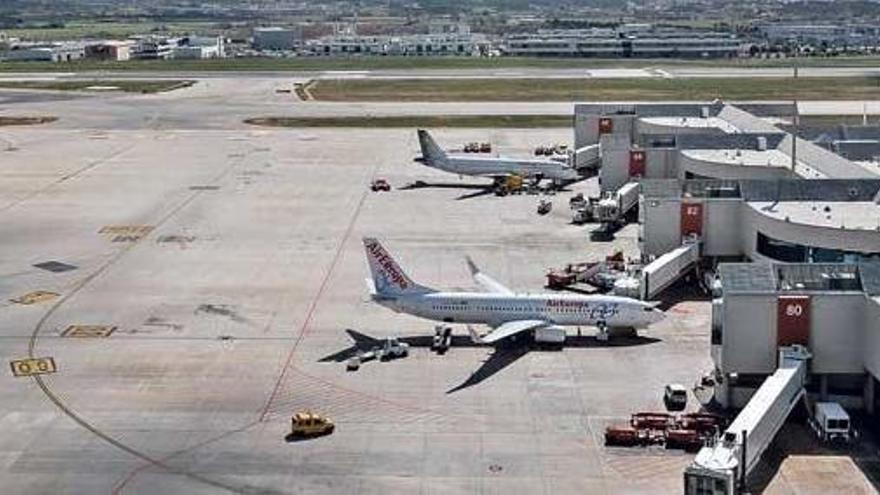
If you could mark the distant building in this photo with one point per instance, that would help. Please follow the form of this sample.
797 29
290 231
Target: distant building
832 35
109 50
412 45
276 38
152 48
194 47
447 27
632 40
38 52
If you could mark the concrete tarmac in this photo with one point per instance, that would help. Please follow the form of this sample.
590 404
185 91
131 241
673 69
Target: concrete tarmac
202 275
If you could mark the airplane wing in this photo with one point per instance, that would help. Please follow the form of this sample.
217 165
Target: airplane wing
497 361
487 282
509 329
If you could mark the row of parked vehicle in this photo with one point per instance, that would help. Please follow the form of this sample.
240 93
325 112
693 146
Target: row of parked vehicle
683 431
475 147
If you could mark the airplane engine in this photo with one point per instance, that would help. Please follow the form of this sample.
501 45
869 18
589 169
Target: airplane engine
550 335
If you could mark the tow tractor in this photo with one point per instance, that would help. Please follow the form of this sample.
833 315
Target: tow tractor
380 185
390 348
544 206
583 209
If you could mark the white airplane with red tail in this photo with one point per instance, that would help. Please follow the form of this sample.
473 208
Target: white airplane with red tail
508 313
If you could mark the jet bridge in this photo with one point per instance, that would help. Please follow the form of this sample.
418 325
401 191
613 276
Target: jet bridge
587 157
667 268
721 469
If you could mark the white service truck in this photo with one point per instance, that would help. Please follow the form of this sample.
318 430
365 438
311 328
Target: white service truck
611 210
831 423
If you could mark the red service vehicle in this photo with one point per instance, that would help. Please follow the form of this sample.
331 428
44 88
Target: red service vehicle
688 440
652 420
624 436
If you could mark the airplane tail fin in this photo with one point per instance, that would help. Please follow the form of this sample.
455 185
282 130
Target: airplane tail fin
431 152
389 279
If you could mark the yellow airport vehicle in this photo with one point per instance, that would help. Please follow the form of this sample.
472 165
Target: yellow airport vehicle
511 184
309 424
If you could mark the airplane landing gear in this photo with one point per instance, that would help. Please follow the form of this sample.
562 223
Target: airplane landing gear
602 336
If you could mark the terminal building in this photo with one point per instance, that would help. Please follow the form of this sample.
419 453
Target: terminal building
831 308
726 192
785 234
784 220
712 140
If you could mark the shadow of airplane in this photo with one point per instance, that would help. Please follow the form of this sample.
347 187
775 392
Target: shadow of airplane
419 184
503 355
481 189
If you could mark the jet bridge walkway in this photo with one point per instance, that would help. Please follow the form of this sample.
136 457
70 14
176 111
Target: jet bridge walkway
667 268
721 468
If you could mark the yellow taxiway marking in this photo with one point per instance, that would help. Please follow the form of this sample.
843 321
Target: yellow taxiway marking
125 233
34 297
33 366
88 331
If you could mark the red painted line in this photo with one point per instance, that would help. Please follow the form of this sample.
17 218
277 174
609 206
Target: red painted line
161 461
313 306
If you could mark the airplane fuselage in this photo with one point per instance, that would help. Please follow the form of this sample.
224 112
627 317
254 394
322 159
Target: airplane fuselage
494 167
556 309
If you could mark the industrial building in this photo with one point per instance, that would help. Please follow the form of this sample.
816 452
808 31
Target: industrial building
109 50
621 42
410 45
277 38
43 52
829 35
152 48
199 47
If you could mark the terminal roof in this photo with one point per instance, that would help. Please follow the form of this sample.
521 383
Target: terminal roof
693 122
766 277
769 190
850 215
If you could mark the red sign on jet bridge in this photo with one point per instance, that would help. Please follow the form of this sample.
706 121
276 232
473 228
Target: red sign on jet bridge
793 320
636 163
691 219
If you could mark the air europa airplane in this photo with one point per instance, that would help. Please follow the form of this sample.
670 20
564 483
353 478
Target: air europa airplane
506 312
